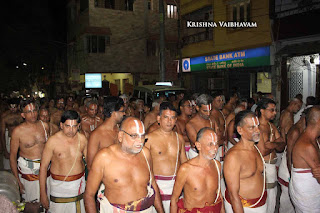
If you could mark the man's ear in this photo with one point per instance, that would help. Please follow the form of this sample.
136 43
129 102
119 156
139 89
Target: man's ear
197 108
239 130
158 118
61 125
198 145
23 115
120 136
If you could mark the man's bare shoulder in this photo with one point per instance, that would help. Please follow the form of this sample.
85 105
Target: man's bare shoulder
303 144
193 121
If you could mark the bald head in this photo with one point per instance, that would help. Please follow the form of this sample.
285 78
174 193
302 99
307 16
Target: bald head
132 124
313 117
295 105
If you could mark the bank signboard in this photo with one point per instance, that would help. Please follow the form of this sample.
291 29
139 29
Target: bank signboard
244 58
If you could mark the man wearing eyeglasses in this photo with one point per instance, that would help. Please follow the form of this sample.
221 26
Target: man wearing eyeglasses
106 134
126 171
28 139
270 143
168 152
9 121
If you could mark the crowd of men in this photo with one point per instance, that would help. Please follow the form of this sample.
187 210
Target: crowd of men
189 154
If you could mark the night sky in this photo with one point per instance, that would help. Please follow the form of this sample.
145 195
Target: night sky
33 32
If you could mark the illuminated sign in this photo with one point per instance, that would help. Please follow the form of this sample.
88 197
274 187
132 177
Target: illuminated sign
243 58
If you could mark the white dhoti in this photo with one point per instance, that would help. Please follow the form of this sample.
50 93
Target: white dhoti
220 154
283 179
193 153
271 185
134 206
260 207
279 158
67 196
29 177
165 184
6 162
187 148
304 191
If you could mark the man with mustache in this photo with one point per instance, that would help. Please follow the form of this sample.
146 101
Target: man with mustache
64 152
168 152
28 139
270 143
199 178
200 120
90 121
126 171
244 169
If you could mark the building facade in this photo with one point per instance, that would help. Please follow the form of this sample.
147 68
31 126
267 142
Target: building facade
120 40
297 48
227 56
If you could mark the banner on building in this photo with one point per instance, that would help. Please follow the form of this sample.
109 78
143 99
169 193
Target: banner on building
237 59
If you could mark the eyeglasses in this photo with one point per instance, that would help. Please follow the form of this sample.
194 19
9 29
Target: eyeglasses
134 136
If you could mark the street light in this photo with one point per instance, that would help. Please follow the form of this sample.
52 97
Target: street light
17 67
24 64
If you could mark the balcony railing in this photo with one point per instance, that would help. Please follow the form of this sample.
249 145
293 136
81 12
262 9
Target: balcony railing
198 37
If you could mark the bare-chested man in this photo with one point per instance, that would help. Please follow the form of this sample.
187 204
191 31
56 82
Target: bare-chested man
305 178
185 107
167 151
28 139
199 178
200 120
231 105
126 171
231 130
65 151
270 143
55 117
70 102
220 123
139 111
106 134
44 116
244 169
9 121
286 117
179 97
151 117
294 132
132 107
90 121
100 112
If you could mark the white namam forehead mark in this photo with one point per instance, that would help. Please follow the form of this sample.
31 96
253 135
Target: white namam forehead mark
214 138
190 102
255 121
140 131
209 107
30 107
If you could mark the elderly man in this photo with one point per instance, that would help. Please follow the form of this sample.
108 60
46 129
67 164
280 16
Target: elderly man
125 169
304 185
44 116
65 151
200 120
167 151
199 178
244 169
151 117
90 121
28 139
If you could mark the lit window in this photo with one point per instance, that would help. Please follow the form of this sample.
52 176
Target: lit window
240 11
172 11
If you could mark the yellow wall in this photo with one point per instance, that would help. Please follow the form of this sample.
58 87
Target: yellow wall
227 39
263 82
112 77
